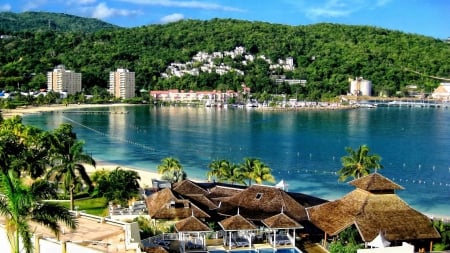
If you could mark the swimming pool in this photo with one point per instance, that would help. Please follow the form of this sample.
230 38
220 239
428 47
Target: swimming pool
281 250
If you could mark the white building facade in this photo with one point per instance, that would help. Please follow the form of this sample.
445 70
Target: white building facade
63 81
360 87
122 83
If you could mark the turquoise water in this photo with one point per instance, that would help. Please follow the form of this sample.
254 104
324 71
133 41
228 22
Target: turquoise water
302 147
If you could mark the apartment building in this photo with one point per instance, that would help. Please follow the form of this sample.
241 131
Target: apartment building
122 83
63 81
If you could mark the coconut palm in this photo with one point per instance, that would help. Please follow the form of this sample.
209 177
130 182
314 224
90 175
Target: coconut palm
28 146
171 170
21 204
358 163
255 170
68 160
225 171
262 173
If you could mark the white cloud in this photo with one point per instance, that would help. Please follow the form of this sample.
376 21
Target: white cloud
81 2
342 8
185 4
102 11
5 7
32 5
172 18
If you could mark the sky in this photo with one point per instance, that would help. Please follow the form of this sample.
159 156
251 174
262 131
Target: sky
424 17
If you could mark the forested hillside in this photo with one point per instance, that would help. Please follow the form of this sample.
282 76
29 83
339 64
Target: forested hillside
44 21
326 55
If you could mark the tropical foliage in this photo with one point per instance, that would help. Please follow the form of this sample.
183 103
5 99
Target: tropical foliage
251 169
23 152
444 230
358 163
326 55
68 161
21 204
118 185
171 170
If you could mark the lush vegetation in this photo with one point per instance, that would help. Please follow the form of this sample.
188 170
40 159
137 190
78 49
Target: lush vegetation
444 231
358 163
44 21
251 169
171 170
326 55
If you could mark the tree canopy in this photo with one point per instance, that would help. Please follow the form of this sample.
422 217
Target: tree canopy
326 55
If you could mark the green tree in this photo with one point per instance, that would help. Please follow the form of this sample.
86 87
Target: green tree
255 170
119 185
21 204
262 173
68 161
225 171
171 170
358 163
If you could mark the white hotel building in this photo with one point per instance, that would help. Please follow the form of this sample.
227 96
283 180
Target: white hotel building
63 81
122 83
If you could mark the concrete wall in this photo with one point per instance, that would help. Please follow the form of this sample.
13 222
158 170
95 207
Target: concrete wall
405 248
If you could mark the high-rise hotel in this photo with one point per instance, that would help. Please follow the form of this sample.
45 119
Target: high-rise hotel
122 84
62 80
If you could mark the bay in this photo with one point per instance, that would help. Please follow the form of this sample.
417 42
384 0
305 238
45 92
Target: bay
302 147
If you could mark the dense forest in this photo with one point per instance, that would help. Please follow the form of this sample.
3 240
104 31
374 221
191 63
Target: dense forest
326 55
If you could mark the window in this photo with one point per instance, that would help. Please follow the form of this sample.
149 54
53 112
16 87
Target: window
258 195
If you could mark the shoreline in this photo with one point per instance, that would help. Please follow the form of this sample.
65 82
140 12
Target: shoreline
20 111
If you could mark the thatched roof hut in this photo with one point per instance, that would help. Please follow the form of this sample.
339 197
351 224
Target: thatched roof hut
373 207
259 202
165 205
236 222
191 224
191 233
281 221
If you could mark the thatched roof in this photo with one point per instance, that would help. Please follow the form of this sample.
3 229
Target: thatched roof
202 200
187 187
281 221
236 222
259 202
164 205
375 183
191 224
219 191
371 213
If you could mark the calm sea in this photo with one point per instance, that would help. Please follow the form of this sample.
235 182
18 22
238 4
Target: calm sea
302 147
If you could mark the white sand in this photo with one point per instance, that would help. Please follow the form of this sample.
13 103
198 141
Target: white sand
7 113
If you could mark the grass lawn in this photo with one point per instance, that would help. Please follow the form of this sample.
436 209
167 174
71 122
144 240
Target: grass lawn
94 206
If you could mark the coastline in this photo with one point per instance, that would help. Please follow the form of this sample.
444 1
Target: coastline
145 174
20 111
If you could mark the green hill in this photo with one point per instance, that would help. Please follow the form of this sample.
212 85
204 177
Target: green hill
44 21
326 55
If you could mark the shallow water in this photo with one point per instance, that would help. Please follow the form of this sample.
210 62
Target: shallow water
302 147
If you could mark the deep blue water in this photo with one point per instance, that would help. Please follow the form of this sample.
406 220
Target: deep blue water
302 147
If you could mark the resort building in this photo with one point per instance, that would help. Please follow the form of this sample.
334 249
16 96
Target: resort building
94 234
122 83
207 97
374 208
64 81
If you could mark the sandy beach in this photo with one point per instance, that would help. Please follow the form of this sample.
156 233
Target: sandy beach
20 111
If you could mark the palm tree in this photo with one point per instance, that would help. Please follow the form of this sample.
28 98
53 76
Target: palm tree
358 163
120 185
262 173
21 204
171 170
225 171
247 167
68 160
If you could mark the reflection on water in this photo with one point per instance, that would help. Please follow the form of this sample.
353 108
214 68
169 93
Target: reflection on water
303 148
